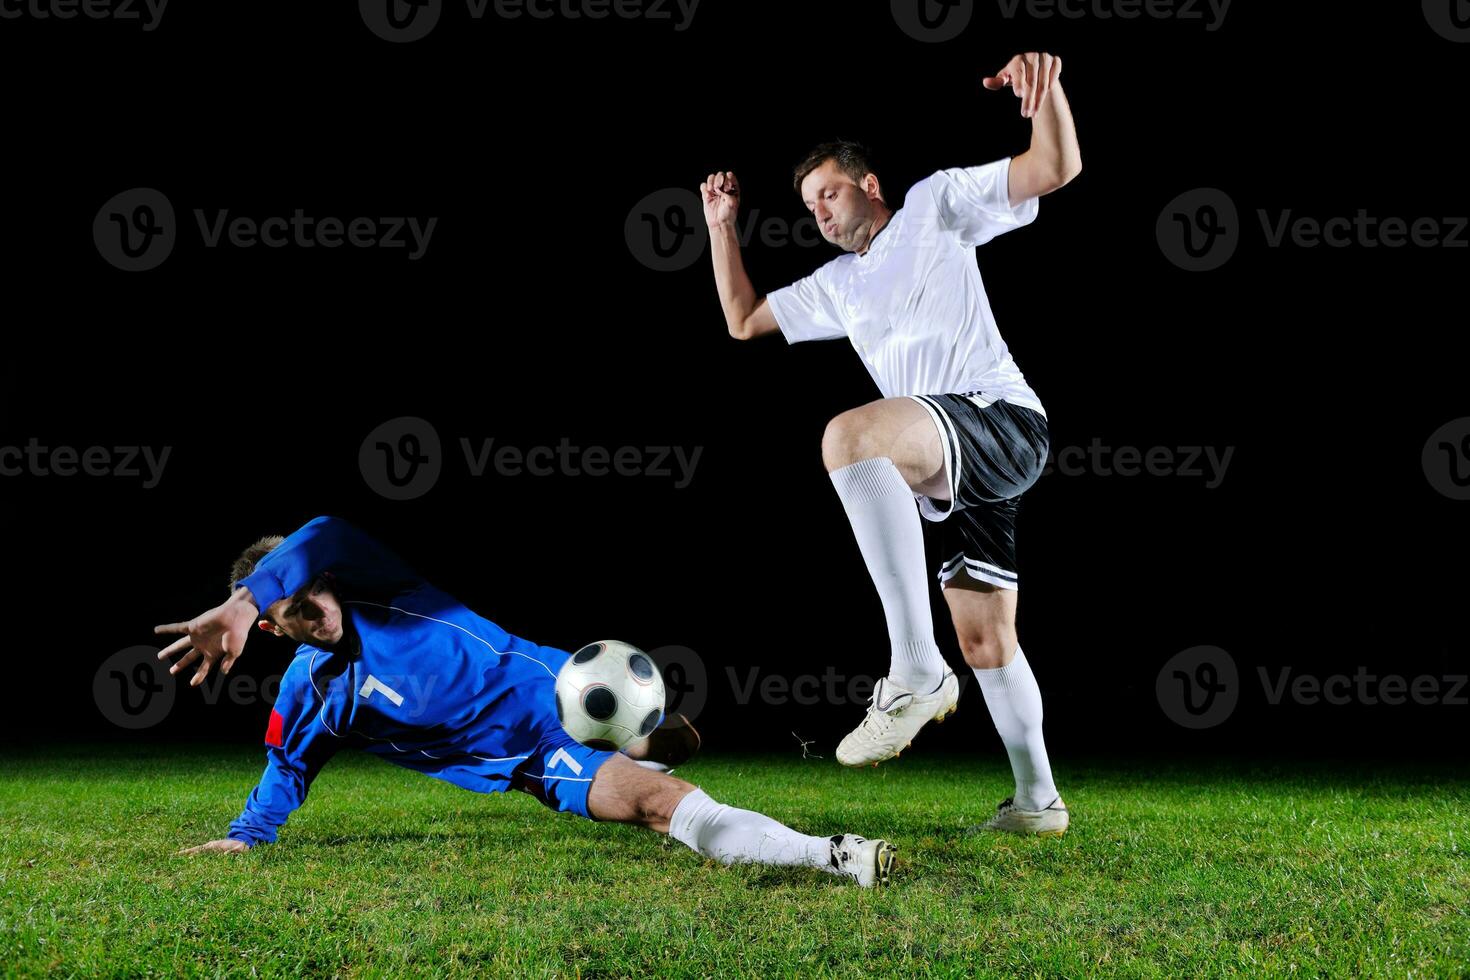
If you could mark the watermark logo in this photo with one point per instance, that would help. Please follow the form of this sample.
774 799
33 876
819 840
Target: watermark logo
1209 12
686 682
1446 459
932 21
133 689
1207 463
1199 230
1199 687
36 459
135 230
666 230
1450 19
146 13
1362 687
401 21
401 459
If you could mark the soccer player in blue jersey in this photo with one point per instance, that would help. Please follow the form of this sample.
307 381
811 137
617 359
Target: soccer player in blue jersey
389 664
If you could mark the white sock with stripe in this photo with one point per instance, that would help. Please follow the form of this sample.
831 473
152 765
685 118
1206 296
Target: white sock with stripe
885 520
1014 701
733 836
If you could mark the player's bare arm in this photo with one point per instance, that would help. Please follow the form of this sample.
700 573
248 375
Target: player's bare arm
746 315
1053 158
214 637
223 846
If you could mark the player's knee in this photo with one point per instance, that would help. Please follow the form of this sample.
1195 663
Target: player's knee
656 806
987 650
847 440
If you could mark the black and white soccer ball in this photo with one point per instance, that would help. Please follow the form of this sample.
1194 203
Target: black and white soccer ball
609 694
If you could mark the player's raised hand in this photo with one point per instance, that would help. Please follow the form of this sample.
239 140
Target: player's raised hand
214 637
227 846
1030 76
721 195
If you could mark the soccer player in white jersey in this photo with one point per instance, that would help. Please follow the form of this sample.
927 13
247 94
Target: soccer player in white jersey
958 429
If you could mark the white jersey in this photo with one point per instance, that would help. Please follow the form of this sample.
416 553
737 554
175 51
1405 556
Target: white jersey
914 306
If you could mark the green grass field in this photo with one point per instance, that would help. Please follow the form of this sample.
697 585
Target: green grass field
1166 871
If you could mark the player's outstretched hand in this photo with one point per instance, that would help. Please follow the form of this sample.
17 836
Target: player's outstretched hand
721 196
227 846
216 637
1030 76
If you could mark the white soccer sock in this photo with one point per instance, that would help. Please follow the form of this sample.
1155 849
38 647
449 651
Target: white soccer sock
885 520
734 836
1014 701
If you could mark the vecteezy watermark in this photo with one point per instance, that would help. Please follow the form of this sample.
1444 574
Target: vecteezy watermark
119 462
936 21
136 230
402 459
666 231
401 21
1200 687
1447 19
831 687
146 13
1363 687
1209 12
1446 459
932 21
1095 459
1200 230
686 682
133 689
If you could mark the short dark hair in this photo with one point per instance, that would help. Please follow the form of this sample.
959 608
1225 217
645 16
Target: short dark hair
853 159
244 566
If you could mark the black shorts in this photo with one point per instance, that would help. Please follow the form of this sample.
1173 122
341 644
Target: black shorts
992 454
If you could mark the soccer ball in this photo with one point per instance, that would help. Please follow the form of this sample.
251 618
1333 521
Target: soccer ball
609 694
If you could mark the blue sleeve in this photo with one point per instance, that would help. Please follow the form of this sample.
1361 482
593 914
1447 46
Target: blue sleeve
363 567
298 746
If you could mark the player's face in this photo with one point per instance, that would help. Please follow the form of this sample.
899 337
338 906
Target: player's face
313 615
845 213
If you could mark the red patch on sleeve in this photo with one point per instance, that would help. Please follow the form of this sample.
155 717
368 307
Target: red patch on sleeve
273 730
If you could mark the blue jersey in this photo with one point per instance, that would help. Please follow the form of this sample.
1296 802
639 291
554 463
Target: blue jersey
430 685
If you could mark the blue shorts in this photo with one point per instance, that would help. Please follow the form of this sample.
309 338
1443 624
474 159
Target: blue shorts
559 771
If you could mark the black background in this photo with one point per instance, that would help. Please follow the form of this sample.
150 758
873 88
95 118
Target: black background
530 319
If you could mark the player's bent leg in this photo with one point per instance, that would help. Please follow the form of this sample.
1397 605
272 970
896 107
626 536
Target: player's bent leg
877 455
897 428
625 792
985 623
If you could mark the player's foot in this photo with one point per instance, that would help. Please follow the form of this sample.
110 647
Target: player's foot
894 717
1050 821
867 862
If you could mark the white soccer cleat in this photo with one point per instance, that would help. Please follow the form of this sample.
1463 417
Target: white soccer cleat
867 862
1051 821
894 717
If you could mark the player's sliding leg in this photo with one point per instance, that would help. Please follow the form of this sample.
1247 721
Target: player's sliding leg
985 622
624 792
878 456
